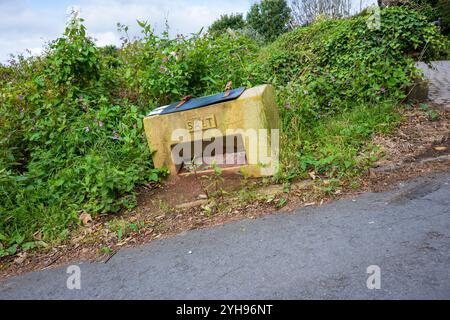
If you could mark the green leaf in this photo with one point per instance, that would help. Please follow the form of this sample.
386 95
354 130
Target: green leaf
154 176
281 203
12 249
28 245
39 81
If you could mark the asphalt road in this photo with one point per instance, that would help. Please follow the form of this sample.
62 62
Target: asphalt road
316 252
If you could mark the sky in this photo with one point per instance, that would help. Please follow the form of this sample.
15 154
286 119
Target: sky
29 24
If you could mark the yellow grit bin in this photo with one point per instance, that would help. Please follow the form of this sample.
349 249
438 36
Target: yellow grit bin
237 130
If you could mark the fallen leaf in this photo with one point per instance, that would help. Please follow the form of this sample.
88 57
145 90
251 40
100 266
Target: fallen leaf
21 257
37 235
309 204
312 174
85 218
440 148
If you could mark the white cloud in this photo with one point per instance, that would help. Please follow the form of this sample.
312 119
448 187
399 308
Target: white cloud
183 16
106 38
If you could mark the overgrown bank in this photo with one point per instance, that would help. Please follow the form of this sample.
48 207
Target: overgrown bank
341 69
71 132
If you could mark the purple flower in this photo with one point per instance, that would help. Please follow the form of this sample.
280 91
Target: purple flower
87 129
20 97
116 135
100 124
382 90
287 106
84 107
162 68
80 98
165 59
333 78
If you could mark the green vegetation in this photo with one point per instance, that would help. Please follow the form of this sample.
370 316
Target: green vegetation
265 21
340 68
434 10
67 143
443 11
225 22
448 48
71 136
123 228
269 18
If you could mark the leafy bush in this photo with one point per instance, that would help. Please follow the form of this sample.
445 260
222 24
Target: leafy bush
443 11
435 11
269 18
166 69
67 145
447 56
338 60
225 22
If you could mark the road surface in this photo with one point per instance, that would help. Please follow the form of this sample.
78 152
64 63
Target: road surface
315 252
439 81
